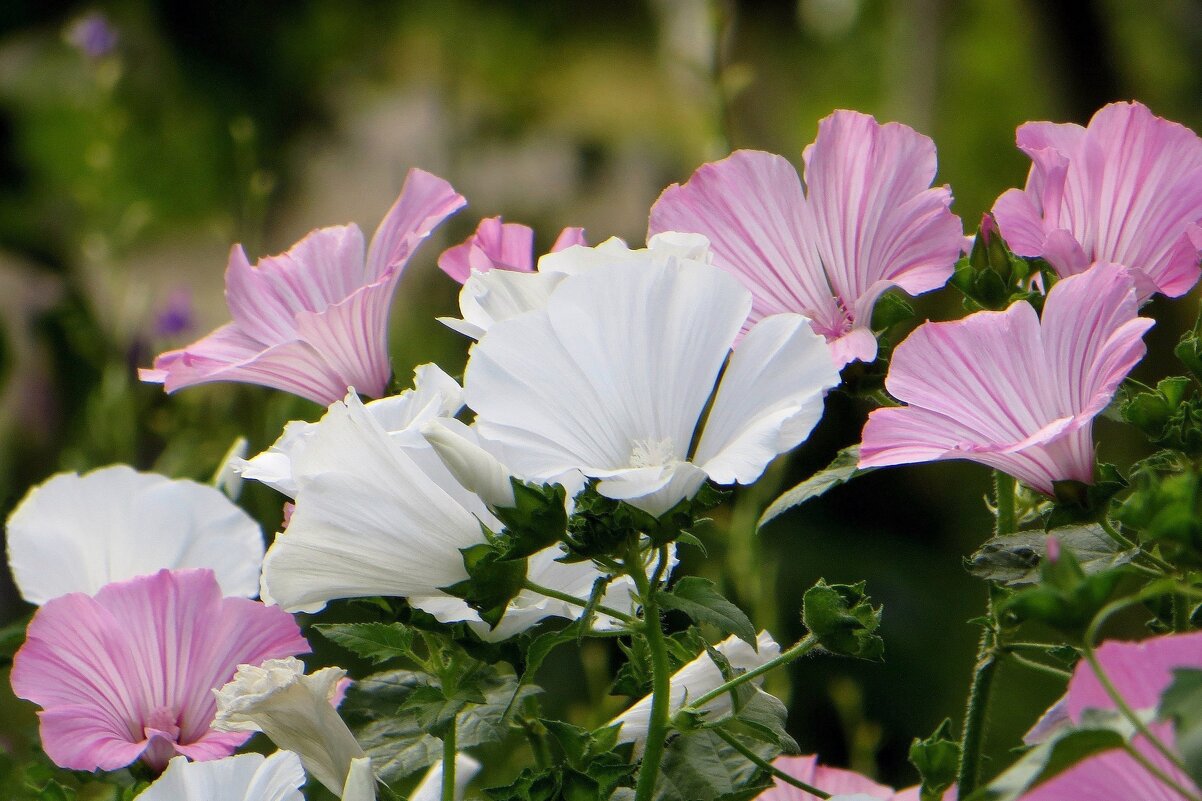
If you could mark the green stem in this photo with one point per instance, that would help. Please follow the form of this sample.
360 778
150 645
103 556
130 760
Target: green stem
661 687
1124 542
972 739
1048 670
574 601
1180 613
803 647
1003 499
448 763
734 743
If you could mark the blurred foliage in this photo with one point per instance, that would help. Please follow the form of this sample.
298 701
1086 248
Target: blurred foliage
125 176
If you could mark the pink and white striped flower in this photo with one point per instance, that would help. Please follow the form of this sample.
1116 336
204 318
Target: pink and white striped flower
1140 673
1126 189
1009 390
867 220
498 245
129 673
314 320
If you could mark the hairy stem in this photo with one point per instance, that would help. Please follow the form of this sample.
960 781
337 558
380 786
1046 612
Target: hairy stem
972 739
803 647
1003 500
448 763
574 601
657 726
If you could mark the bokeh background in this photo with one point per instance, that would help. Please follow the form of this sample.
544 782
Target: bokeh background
139 139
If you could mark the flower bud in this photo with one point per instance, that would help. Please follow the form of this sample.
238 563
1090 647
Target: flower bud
296 712
472 466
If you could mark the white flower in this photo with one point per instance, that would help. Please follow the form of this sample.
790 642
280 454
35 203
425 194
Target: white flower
373 517
360 781
613 375
295 711
76 533
695 680
495 295
472 466
246 777
434 394
430 787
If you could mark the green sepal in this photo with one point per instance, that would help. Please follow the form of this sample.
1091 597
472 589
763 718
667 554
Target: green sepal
843 619
937 760
537 519
1077 502
493 581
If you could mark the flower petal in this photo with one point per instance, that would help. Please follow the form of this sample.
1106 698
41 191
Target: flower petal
425 201
246 777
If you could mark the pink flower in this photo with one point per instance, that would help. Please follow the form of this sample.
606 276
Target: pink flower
498 245
314 320
867 220
1009 390
130 671
1140 672
1127 189
836 781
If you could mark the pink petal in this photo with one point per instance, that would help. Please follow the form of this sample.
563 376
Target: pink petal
1114 776
494 245
569 237
142 656
836 781
425 201
1140 671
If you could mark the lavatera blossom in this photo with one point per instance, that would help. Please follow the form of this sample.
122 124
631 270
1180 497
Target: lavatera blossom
613 375
77 533
1010 390
1139 673
498 245
246 777
843 785
129 673
1126 189
314 320
866 220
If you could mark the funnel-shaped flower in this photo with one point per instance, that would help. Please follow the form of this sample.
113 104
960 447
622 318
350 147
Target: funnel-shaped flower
246 777
695 680
867 220
1009 390
76 533
612 376
295 711
498 245
129 672
841 784
314 320
1127 189
1140 673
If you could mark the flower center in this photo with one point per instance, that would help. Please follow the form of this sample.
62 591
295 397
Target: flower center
652 452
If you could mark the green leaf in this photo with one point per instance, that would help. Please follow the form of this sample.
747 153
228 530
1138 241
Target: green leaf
378 642
1098 732
762 717
843 619
937 760
700 766
1013 559
1182 704
1066 597
11 638
699 599
53 791
843 468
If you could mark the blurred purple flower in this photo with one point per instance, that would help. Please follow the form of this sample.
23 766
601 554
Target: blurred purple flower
93 35
176 316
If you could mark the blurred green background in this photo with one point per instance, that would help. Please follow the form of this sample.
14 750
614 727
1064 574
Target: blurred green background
139 139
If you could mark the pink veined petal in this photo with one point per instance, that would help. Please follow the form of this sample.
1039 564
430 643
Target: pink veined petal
494 245
569 237
1126 189
871 210
1140 671
1115 776
836 781
749 206
142 656
858 344
319 270
425 201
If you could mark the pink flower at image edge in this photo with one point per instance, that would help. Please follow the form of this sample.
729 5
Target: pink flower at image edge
836 781
314 320
129 673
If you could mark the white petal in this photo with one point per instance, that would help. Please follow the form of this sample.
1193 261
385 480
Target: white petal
227 478
471 465
489 297
770 398
430 788
77 533
655 490
360 782
368 520
246 777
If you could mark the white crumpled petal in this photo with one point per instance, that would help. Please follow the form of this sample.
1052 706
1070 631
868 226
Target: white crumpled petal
245 777
76 533
295 711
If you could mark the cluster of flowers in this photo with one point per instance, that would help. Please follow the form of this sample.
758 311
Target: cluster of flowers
643 373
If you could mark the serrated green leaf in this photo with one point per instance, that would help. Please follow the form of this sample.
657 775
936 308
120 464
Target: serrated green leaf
699 599
937 760
843 468
378 642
